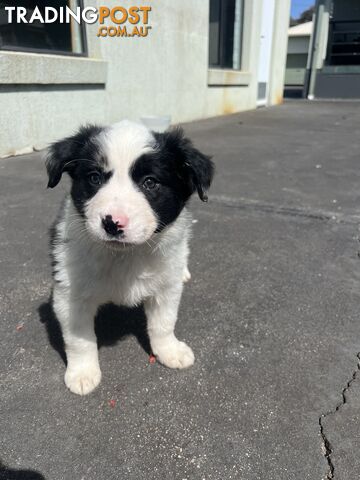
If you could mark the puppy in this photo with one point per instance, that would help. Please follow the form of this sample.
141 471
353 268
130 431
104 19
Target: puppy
122 236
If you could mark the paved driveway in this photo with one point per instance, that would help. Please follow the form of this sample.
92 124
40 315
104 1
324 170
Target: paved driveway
272 313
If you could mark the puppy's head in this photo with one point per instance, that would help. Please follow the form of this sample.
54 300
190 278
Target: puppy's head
128 182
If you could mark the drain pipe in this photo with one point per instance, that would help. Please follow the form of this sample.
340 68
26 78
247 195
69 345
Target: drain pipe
309 87
237 35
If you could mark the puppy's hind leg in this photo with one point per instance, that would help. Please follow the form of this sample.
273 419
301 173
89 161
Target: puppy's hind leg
76 318
161 312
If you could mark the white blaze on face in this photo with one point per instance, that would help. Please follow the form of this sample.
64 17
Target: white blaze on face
119 197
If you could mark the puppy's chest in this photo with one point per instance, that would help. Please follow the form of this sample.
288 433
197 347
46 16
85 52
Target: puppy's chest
126 280
133 281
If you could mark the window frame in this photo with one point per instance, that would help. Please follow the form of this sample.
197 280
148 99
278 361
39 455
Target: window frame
47 51
219 77
222 35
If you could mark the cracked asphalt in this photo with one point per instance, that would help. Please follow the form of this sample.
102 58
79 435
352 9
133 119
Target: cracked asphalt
272 313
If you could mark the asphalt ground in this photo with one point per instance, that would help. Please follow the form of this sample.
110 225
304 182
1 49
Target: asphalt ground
271 312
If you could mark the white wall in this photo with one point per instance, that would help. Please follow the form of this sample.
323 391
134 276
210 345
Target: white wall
279 51
299 44
165 73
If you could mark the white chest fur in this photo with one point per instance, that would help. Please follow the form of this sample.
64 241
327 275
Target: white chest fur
125 276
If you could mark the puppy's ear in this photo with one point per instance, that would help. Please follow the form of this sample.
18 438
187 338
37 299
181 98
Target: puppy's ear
195 168
58 160
62 156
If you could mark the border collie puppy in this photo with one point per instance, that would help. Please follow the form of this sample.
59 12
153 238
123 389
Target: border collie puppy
122 236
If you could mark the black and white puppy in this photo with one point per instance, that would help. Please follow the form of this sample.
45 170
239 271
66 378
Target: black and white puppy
122 236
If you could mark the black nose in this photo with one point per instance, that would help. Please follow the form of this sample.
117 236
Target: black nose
111 227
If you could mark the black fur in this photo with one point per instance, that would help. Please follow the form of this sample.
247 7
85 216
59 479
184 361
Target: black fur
79 156
193 167
64 155
179 169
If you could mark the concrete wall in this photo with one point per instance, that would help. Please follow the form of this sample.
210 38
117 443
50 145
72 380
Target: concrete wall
279 51
296 62
43 97
299 45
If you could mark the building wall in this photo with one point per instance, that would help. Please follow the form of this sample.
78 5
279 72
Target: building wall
279 50
333 80
297 56
299 45
44 97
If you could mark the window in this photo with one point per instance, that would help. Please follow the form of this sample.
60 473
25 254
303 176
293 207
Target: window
344 42
225 34
60 38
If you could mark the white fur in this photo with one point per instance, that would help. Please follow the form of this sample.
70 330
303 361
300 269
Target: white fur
91 273
93 269
123 143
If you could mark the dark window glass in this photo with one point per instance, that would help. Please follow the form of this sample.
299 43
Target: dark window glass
344 43
54 37
225 33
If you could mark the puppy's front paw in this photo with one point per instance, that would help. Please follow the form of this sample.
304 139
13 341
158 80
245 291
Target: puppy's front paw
82 380
175 355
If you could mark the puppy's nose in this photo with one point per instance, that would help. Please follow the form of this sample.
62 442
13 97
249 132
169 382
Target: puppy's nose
114 225
121 221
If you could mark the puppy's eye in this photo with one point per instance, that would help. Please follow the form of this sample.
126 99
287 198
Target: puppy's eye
95 178
150 183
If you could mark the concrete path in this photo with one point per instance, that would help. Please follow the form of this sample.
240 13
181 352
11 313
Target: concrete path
272 313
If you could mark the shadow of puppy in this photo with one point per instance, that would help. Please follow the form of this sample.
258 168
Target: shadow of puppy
10 474
112 324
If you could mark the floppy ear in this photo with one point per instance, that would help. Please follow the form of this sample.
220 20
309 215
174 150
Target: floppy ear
58 156
62 156
194 167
